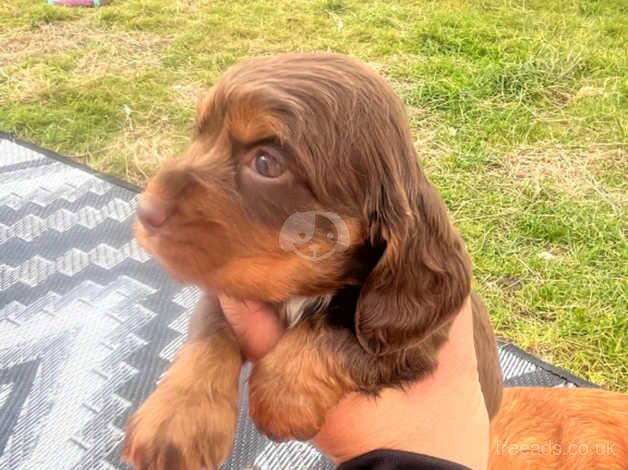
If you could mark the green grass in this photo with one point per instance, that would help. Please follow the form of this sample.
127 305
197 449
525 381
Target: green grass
519 109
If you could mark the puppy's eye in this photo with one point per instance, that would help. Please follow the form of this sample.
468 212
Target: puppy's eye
267 166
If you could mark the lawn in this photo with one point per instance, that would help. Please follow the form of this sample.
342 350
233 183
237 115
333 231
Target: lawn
519 110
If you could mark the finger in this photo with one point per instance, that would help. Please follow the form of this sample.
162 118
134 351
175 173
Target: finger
238 311
256 324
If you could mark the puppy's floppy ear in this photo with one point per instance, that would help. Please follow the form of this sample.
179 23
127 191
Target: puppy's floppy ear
423 276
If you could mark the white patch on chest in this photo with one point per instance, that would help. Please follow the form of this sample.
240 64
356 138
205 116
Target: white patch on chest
293 309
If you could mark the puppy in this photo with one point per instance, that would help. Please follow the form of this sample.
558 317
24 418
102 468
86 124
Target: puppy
301 188
560 428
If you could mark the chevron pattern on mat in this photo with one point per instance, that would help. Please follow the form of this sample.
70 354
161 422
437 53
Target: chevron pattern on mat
89 322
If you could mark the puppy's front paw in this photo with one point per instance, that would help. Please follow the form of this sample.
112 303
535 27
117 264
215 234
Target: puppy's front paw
287 405
282 417
180 431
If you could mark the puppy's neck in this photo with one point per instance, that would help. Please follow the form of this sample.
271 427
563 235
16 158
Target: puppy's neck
338 306
295 308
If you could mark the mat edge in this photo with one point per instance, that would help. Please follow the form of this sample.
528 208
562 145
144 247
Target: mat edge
71 162
551 368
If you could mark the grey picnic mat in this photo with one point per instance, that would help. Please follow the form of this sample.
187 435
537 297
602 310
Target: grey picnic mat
89 322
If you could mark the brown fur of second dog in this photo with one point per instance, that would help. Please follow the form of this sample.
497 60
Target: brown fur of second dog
560 428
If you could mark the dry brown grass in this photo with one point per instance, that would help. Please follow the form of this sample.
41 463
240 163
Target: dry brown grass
186 94
77 55
121 47
29 58
145 148
574 170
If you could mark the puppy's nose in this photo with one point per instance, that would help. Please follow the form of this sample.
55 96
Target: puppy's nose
153 211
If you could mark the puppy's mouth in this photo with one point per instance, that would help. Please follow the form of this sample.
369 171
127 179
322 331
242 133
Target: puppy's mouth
153 241
144 236
178 253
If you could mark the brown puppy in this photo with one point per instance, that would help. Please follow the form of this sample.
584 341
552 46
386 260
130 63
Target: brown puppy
301 188
560 428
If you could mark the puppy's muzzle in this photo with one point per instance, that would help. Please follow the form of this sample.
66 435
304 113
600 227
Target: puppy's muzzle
153 212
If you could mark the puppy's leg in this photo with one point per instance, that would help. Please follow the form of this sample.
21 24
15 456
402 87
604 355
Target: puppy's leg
189 420
292 387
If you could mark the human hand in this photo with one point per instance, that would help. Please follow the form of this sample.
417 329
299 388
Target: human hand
442 415
256 325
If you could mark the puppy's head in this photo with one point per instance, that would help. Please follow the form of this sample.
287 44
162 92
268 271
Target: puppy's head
301 179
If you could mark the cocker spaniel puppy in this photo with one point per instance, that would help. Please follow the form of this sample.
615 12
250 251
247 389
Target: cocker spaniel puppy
301 188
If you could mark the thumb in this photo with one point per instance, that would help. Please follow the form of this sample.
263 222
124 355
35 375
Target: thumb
255 323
